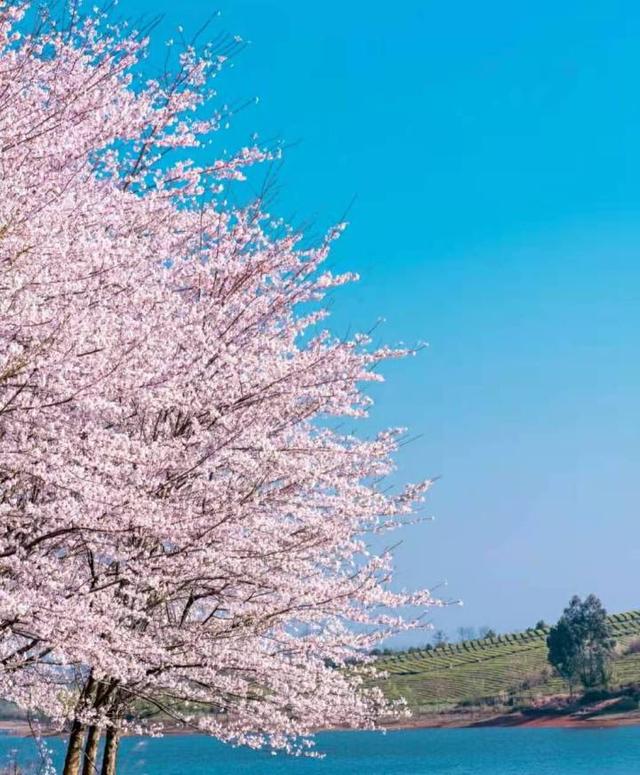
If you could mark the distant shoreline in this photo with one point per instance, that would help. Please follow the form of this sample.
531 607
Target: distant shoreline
597 718
592 718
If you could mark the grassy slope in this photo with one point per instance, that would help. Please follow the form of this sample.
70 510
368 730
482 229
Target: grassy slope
477 671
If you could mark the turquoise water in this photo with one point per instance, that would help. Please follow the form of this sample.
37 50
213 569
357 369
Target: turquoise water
410 752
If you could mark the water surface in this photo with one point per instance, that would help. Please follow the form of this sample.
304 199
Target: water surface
408 752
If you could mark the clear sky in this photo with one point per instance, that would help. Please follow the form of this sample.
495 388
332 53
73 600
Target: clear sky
494 152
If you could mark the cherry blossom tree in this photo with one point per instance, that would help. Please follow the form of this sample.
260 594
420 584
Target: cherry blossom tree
185 527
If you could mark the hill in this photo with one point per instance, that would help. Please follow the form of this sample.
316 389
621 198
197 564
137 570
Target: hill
507 670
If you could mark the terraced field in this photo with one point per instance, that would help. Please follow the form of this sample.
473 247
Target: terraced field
494 669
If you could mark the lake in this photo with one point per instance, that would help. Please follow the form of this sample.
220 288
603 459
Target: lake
488 751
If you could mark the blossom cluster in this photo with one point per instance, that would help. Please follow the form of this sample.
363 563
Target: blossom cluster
181 521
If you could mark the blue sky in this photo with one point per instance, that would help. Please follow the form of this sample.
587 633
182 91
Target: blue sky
493 150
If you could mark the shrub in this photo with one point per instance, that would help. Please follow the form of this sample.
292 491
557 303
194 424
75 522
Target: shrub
595 695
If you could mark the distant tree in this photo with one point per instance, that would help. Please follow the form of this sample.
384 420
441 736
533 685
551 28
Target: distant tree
580 645
486 632
466 633
440 638
541 625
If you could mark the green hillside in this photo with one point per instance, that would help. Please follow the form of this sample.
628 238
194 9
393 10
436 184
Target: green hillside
496 670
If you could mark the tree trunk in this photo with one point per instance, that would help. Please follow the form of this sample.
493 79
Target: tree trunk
74 749
103 697
112 740
76 736
90 766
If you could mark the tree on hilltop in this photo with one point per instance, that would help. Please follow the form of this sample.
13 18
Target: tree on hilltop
580 645
466 633
440 638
